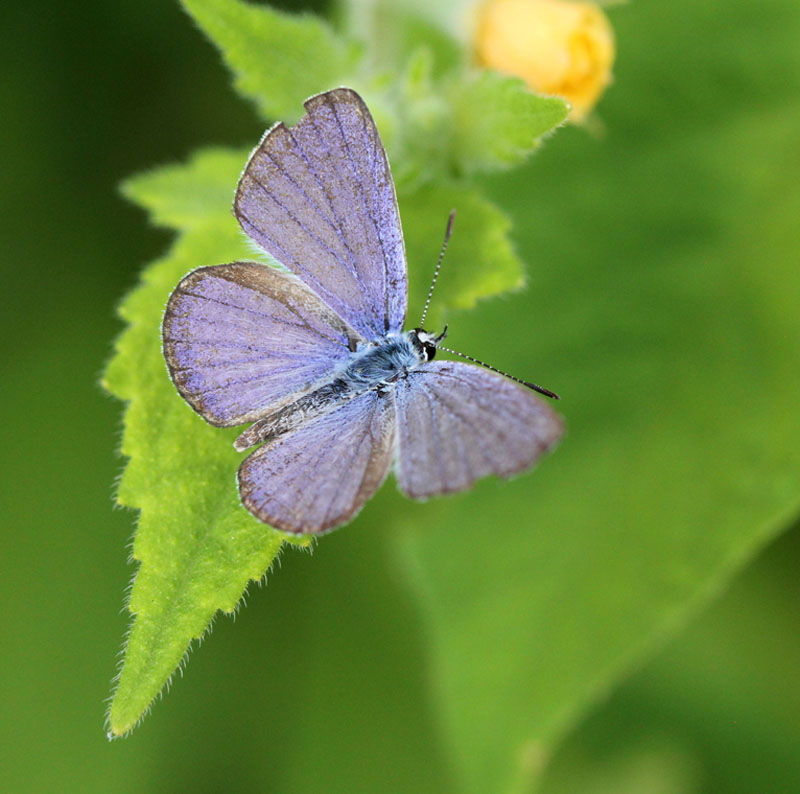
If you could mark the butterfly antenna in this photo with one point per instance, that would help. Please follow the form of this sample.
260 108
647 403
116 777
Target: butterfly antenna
438 265
545 392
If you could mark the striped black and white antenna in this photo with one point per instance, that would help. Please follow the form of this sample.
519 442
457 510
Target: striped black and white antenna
541 390
546 392
447 234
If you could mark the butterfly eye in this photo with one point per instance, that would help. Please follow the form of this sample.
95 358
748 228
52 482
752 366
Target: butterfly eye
426 343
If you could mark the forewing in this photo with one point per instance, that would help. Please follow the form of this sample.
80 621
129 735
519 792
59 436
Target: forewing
319 476
458 422
319 197
240 339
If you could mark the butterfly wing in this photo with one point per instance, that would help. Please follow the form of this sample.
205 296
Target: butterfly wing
319 476
240 339
319 197
458 422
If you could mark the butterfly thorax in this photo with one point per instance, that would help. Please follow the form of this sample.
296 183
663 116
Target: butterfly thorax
378 364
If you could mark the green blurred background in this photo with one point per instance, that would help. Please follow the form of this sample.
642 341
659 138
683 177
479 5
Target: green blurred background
94 91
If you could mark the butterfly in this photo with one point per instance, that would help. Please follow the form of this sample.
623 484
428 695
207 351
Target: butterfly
314 357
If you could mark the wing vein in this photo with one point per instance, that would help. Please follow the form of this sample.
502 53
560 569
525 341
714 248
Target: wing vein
308 231
460 418
299 188
339 225
240 381
273 317
358 275
435 437
309 277
345 470
370 212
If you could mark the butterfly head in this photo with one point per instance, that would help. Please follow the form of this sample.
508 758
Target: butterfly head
425 343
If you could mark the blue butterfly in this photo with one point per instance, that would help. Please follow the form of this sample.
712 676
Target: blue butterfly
315 356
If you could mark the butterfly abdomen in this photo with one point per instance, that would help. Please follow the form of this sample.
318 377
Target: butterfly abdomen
373 367
291 416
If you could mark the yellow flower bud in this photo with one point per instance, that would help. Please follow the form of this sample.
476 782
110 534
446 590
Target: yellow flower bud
558 47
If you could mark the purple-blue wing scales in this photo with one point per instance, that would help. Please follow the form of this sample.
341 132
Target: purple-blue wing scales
243 338
319 197
319 476
458 422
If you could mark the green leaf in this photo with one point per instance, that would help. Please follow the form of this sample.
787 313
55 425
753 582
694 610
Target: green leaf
498 121
391 32
417 118
197 546
719 702
277 59
179 197
662 312
448 18
480 260
662 307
